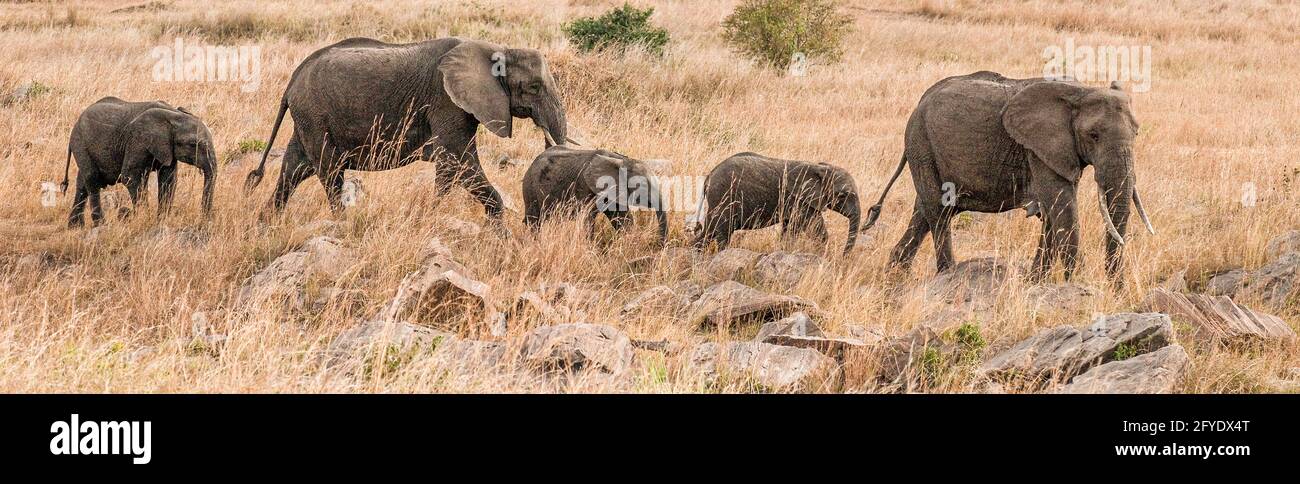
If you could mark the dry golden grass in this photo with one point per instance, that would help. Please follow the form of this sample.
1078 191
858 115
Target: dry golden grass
1221 112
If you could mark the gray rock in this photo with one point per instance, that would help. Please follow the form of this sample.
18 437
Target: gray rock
657 299
1218 318
404 338
784 269
1151 373
775 367
729 304
1283 244
1176 282
462 228
972 284
578 347
439 292
1226 283
730 263
284 278
1060 353
797 324
204 337
1277 283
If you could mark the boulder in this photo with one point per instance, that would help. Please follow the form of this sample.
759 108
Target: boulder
785 269
1060 353
730 303
1176 282
1226 283
774 367
439 292
284 278
404 338
797 324
1155 372
1218 318
672 300
730 263
578 347
972 284
1277 283
869 336
1283 244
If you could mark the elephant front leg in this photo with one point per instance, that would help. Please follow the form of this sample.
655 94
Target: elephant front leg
1060 235
166 189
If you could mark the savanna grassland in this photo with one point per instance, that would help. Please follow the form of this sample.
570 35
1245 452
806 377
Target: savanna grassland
111 311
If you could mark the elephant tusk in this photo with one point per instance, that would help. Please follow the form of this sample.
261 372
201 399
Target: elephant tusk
1105 215
572 141
1137 203
550 140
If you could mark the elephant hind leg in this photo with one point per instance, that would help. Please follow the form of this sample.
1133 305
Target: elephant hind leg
77 217
294 169
905 251
96 206
332 180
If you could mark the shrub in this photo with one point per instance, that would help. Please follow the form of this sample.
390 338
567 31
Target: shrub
773 31
617 29
250 146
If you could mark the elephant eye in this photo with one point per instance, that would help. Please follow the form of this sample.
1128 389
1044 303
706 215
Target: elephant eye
533 88
1094 135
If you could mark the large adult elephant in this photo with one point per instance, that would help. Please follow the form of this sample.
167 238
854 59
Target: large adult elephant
116 141
985 143
363 104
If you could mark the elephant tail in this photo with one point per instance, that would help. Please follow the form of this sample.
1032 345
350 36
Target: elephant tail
255 176
67 164
874 212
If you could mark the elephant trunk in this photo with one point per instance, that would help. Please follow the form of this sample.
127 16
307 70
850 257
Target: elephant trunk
209 168
848 207
553 123
1115 193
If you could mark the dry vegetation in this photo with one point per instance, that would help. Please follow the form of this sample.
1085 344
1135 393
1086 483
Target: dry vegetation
1221 112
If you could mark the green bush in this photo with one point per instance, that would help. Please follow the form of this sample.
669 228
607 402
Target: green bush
617 29
773 31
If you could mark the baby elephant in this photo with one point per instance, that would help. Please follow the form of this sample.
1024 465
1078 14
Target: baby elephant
590 182
118 141
750 191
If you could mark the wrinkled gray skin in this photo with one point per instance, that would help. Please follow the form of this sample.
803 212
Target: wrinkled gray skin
119 141
1011 143
749 191
566 179
362 104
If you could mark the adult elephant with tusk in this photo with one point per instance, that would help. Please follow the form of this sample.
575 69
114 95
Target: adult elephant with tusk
363 104
121 141
985 143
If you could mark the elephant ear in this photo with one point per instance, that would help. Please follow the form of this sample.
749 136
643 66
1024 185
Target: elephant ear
1040 118
152 133
472 82
598 173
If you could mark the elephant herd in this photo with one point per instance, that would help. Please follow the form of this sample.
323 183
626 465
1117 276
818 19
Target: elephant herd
979 142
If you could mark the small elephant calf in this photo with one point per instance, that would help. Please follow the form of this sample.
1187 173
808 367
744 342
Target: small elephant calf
119 141
750 191
590 182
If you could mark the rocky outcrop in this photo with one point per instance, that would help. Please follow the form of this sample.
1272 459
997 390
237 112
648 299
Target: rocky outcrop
769 367
1155 372
578 347
285 277
730 263
730 304
1218 318
1060 353
784 270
